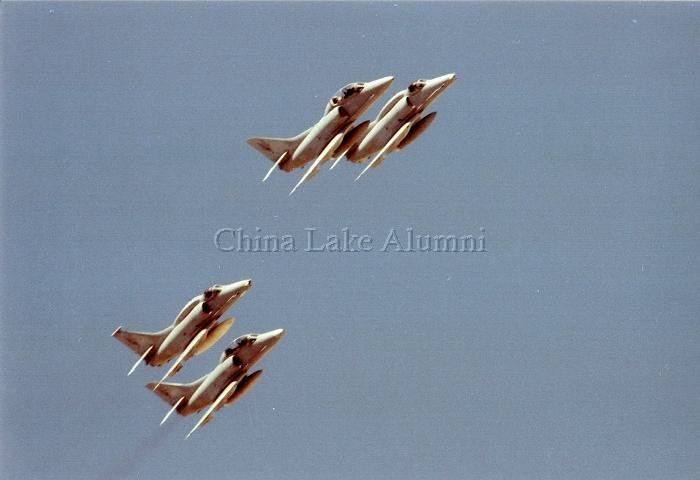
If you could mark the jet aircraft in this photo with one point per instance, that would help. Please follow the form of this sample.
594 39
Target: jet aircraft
194 330
224 385
330 137
399 122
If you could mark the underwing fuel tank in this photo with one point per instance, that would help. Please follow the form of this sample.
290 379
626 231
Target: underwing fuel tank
213 335
352 138
244 386
417 129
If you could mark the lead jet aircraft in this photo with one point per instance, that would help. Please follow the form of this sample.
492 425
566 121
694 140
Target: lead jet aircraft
329 137
224 385
399 122
194 330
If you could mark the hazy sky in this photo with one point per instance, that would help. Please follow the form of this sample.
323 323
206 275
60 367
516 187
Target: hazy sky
569 350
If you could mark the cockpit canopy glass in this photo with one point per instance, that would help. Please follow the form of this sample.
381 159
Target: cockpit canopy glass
212 292
416 86
245 340
350 89
344 93
242 341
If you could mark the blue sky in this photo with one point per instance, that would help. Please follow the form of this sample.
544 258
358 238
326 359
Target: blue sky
568 350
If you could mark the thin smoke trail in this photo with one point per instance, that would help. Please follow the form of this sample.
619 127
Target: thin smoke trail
135 457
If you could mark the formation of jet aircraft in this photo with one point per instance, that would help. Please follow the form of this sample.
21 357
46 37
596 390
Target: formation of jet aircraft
399 123
195 329
225 384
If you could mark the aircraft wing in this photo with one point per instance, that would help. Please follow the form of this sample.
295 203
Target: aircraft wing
390 145
187 309
184 356
214 407
325 155
276 164
390 104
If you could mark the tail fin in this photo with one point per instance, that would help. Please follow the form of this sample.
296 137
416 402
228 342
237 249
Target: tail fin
139 342
171 393
273 148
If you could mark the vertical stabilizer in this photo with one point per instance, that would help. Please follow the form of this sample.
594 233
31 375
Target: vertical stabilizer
172 393
139 342
274 148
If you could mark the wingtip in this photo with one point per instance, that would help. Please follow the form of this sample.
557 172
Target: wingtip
337 160
296 186
161 380
369 165
119 329
267 175
170 412
138 362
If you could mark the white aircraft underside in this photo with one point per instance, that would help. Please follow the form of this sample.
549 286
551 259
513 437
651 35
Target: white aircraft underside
224 385
398 124
321 142
195 329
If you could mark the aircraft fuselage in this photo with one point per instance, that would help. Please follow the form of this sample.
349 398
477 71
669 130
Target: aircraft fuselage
318 137
197 319
381 132
183 333
406 110
224 373
232 368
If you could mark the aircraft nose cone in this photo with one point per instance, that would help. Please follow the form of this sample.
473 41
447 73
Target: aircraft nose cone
279 333
446 79
243 284
235 290
380 86
272 337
